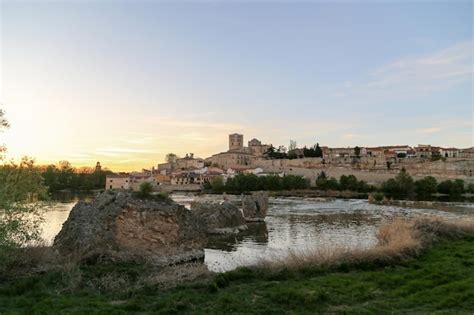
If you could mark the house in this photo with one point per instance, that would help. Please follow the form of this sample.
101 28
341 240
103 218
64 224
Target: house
467 153
189 162
449 152
117 181
423 151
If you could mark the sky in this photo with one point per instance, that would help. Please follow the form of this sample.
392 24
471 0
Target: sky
125 83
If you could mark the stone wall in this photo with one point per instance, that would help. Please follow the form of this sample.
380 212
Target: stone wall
374 173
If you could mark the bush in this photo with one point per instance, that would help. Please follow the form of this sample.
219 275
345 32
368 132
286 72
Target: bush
452 188
217 184
426 186
348 183
470 188
252 182
401 186
377 196
145 189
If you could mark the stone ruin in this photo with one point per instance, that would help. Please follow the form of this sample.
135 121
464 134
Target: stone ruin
119 226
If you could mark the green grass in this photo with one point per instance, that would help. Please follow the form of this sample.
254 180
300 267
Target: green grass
441 281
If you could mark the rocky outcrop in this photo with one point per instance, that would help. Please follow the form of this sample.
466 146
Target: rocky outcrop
255 206
120 226
220 218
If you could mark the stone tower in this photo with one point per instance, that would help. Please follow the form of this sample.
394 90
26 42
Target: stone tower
236 141
98 167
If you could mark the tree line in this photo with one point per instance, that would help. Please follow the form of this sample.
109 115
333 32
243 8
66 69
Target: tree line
293 153
402 186
251 182
64 176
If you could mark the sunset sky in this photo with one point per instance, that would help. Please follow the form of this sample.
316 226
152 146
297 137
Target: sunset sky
125 83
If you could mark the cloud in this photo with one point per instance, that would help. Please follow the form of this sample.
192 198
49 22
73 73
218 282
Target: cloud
438 70
429 130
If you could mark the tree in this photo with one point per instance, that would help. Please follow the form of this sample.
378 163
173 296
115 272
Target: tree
426 186
145 189
171 158
399 187
452 188
317 151
20 186
357 151
217 183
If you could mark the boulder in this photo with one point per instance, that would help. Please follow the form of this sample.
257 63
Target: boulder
255 206
220 218
121 226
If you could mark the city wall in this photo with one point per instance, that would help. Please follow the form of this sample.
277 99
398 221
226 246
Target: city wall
373 170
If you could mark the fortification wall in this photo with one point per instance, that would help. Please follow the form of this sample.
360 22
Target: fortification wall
374 170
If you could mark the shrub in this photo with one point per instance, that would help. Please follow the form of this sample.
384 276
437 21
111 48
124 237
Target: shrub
145 189
399 187
452 188
426 186
217 184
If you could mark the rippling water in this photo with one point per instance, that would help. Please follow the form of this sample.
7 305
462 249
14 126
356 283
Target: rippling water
293 225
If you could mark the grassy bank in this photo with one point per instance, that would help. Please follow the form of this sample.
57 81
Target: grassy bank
418 267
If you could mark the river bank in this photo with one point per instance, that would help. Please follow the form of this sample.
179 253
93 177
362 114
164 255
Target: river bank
436 277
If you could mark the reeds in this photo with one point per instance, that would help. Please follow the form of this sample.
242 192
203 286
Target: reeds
398 240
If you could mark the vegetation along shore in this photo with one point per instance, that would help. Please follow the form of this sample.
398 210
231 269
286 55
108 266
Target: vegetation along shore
424 266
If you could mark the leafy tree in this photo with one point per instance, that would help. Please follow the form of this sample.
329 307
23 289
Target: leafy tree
348 183
357 150
426 186
145 189
470 188
325 183
401 186
452 188
318 152
217 183
20 186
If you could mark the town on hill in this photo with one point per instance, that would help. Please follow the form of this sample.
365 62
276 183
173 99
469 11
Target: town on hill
371 164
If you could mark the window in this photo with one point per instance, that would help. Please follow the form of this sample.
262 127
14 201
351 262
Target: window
110 186
111 180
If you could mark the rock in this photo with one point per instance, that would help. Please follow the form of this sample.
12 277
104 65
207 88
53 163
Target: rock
220 218
255 206
120 226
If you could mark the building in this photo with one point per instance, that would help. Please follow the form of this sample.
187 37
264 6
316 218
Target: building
227 160
340 152
238 156
117 181
466 153
257 148
189 162
449 152
236 141
423 151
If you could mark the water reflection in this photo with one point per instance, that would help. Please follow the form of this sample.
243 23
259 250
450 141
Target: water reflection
292 225
256 233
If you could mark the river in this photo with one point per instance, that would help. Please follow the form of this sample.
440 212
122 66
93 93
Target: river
292 225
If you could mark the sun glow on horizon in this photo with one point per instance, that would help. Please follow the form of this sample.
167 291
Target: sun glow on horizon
125 84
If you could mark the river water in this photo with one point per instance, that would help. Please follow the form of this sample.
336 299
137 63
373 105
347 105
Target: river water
292 225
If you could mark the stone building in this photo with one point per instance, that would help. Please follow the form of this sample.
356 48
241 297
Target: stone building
117 181
257 148
189 162
238 156
236 141
449 152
